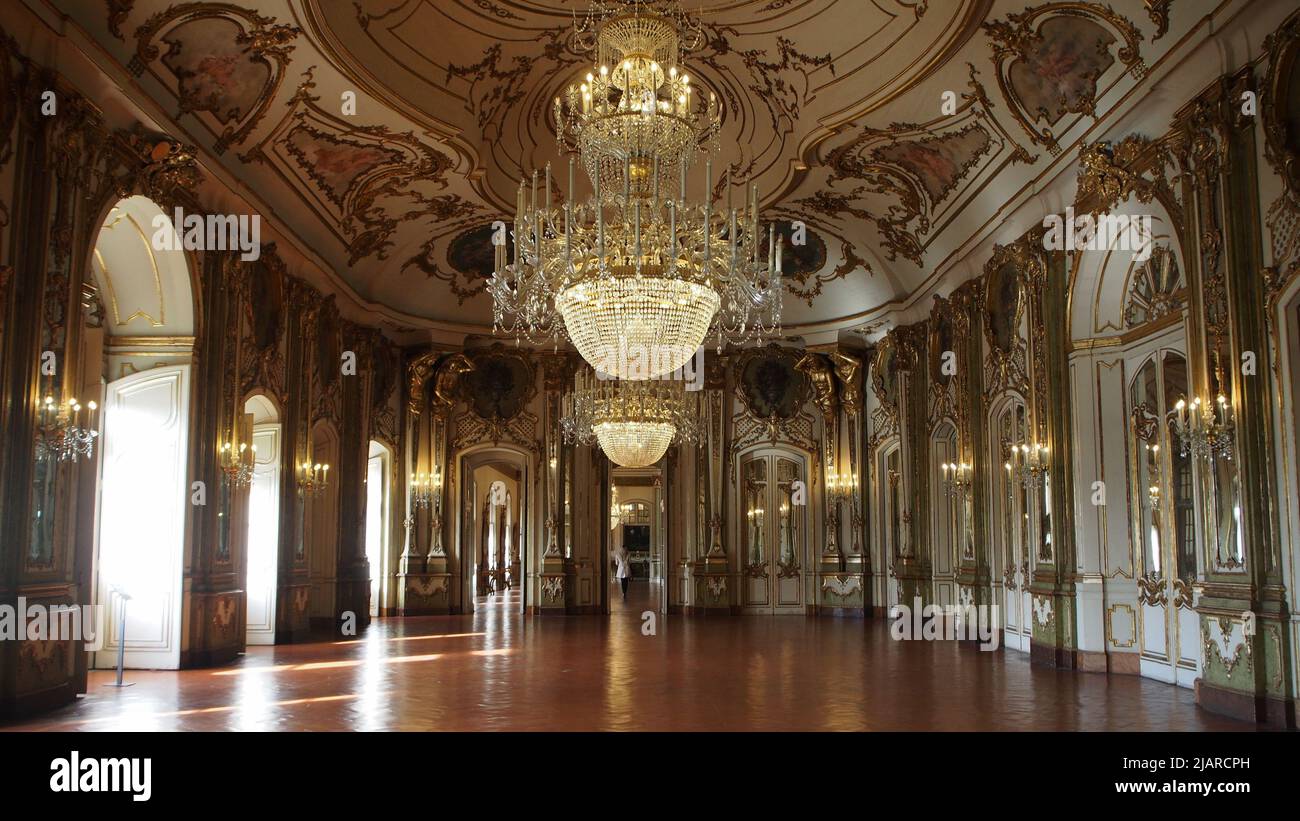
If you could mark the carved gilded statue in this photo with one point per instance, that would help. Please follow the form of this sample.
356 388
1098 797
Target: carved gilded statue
823 383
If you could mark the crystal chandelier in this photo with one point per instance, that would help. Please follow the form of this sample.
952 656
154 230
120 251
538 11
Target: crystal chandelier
634 421
60 436
638 275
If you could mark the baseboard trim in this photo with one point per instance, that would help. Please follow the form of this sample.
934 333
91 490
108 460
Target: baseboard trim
1267 711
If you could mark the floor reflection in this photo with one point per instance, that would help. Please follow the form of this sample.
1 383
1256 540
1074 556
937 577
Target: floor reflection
498 669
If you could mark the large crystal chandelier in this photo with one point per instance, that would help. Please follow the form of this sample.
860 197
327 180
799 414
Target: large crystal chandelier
638 275
634 421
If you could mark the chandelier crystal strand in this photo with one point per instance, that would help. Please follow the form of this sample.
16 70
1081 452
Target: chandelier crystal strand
635 276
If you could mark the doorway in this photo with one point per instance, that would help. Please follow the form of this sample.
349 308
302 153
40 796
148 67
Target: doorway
493 529
377 524
774 531
145 486
263 521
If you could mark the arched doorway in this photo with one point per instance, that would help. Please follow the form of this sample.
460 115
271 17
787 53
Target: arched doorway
148 341
263 521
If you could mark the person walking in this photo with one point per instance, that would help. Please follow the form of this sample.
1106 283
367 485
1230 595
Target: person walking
622 568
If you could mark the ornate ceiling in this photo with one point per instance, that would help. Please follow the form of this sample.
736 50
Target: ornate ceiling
388 134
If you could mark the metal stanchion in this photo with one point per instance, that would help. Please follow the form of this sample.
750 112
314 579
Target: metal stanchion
123 598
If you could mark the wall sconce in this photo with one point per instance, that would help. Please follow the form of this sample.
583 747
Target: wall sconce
237 460
840 489
313 478
1029 464
425 488
1153 474
1204 428
956 478
59 433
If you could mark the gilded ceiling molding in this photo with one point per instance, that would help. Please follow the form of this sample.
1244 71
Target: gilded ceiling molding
1030 47
918 166
212 82
353 175
118 10
805 282
1158 11
780 83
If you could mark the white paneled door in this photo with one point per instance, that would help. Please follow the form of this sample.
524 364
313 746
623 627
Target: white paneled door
263 535
142 519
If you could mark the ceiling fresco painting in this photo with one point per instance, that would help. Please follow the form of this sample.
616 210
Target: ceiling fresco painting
388 135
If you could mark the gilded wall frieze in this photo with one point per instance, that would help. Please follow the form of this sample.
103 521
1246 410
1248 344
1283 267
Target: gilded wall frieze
1050 60
220 60
1135 167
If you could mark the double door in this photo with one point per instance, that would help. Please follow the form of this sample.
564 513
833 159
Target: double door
773 531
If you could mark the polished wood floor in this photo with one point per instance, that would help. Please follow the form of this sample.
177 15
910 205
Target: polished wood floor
497 670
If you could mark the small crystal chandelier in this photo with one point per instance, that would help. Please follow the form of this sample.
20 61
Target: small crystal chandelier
633 421
60 436
1203 428
639 275
238 461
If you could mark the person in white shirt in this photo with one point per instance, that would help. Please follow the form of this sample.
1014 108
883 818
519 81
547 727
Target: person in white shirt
622 568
